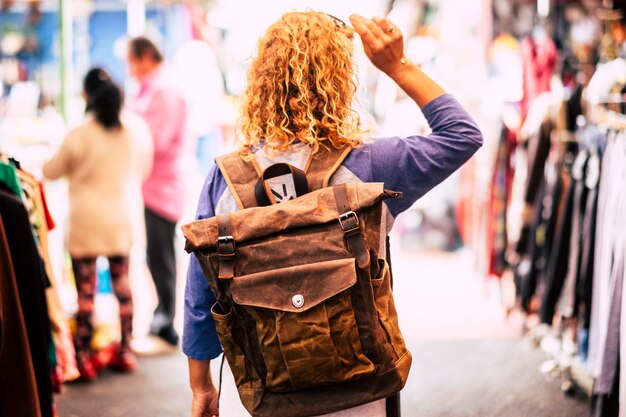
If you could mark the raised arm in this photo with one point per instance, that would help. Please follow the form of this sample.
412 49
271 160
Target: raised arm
420 162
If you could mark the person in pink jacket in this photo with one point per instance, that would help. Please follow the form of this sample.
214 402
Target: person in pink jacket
163 109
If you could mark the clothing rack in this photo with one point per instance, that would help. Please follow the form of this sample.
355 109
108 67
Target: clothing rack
575 375
565 252
46 354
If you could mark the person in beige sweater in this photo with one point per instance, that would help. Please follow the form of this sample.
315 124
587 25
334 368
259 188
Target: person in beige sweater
105 160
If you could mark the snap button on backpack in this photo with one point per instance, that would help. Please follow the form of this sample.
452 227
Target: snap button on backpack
297 300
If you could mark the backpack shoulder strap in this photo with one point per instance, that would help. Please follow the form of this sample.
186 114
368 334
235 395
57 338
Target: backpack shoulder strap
323 165
241 176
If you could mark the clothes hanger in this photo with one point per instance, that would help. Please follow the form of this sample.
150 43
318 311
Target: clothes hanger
15 163
611 119
615 98
614 107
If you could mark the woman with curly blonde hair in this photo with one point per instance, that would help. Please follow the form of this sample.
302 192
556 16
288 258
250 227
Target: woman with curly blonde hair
298 91
299 101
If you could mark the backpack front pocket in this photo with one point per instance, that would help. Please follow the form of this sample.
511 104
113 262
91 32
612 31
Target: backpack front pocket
305 324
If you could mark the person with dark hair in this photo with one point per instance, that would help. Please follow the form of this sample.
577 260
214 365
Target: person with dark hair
164 110
94 79
103 98
105 160
142 47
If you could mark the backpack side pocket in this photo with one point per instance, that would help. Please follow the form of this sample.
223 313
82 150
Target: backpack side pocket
227 332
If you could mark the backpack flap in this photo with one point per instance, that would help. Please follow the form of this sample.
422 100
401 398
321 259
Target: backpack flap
295 289
317 207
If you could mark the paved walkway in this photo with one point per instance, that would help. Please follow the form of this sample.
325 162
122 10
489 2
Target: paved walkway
467 361
488 378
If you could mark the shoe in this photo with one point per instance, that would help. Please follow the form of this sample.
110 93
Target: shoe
124 360
85 364
168 334
96 362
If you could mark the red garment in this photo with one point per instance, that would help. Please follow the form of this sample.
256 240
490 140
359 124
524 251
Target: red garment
538 61
46 211
466 206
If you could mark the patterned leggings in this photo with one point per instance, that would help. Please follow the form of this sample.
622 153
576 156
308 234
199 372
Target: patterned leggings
85 275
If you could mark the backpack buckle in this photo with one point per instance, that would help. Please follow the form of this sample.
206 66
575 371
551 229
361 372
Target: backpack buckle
226 246
226 254
349 221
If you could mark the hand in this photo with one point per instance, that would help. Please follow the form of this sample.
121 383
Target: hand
383 45
205 404
382 41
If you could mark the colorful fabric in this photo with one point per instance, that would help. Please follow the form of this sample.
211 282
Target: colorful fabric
85 275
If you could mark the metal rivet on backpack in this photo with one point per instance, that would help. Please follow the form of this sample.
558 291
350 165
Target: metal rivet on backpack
297 300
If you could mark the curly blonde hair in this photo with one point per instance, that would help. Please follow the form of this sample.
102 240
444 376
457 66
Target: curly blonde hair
301 87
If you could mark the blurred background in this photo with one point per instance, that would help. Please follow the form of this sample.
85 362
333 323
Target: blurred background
508 275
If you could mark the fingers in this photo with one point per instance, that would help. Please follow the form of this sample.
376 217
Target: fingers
205 404
390 29
369 31
360 25
374 28
385 25
377 32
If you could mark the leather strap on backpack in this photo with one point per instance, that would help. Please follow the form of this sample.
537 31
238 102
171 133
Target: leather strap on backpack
392 405
225 247
351 226
323 165
242 176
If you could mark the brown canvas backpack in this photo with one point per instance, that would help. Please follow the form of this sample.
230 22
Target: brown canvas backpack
304 312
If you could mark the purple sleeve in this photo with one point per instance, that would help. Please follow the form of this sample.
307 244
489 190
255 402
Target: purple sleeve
200 340
416 164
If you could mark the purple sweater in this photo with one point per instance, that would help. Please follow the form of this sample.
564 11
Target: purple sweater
413 165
